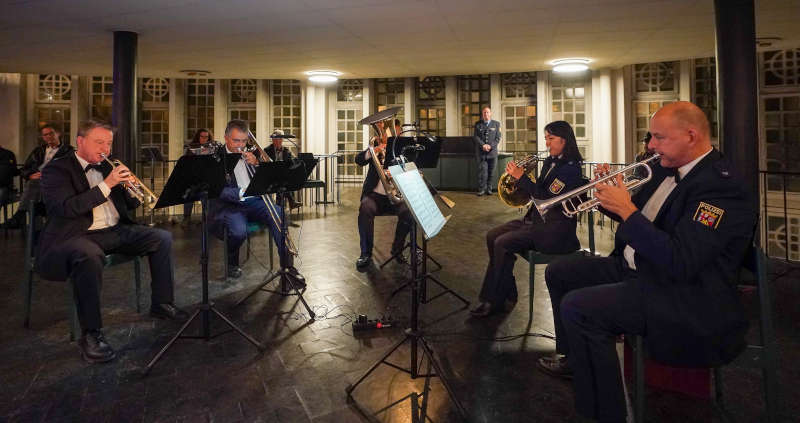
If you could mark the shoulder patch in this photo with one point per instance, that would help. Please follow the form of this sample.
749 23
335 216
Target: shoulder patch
708 215
556 186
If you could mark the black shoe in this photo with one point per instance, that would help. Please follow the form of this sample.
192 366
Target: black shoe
363 261
489 192
167 311
234 272
293 225
299 280
555 366
94 348
13 222
482 310
295 204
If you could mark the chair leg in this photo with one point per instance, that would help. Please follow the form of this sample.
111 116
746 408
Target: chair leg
638 376
137 279
531 275
718 388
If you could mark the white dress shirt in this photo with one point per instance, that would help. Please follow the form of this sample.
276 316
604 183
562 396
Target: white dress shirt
105 215
653 205
49 153
241 174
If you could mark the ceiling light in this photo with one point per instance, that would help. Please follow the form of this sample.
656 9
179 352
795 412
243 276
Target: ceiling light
570 65
324 76
195 72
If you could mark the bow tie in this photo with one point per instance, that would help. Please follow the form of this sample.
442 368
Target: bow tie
97 166
673 171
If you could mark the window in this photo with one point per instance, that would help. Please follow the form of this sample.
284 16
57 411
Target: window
656 84
519 112
430 105
390 93
350 90
155 90
473 94
569 104
242 102
154 125
199 105
286 114
705 90
102 93
54 93
349 140
781 68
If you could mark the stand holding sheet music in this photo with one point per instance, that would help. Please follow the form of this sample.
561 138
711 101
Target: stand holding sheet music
427 215
201 177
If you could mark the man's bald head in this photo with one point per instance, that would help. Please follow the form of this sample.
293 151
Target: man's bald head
681 133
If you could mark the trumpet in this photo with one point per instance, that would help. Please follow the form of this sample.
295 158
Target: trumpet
137 188
582 198
507 189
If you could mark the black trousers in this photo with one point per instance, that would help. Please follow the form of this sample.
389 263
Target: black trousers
374 204
84 258
503 243
594 300
486 166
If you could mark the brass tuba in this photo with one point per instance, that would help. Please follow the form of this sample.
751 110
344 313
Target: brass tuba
507 188
374 120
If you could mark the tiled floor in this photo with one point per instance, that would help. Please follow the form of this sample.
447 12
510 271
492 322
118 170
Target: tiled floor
306 367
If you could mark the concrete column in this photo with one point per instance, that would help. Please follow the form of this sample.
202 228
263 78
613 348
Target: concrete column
30 135
262 108
80 105
622 101
603 116
316 120
221 95
737 89
410 100
451 112
543 108
330 110
124 114
368 104
177 118
685 81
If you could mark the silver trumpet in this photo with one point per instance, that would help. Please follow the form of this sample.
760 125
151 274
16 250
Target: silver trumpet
583 199
137 188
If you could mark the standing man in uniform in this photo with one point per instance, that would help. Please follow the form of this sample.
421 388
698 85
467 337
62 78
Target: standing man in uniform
671 277
486 136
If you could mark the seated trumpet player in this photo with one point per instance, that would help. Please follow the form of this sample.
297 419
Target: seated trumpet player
87 209
680 240
232 210
375 201
560 173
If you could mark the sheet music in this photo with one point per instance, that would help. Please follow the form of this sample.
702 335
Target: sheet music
418 198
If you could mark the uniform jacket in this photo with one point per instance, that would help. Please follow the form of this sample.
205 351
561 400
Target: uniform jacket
228 200
36 158
556 233
486 134
687 263
69 202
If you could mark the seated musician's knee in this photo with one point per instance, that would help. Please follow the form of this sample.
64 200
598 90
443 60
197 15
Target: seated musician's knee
163 237
367 207
576 306
86 253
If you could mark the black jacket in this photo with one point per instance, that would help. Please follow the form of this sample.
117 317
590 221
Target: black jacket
8 168
486 134
687 262
270 150
36 158
69 202
371 180
557 231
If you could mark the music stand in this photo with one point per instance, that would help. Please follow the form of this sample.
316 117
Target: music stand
421 205
200 177
279 178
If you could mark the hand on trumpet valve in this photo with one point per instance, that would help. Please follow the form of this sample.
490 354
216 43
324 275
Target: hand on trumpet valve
250 158
601 170
615 197
514 170
120 174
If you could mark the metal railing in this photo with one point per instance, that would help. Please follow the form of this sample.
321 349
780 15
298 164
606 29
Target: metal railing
780 214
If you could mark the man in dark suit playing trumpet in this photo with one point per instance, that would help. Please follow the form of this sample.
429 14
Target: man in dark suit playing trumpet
87 209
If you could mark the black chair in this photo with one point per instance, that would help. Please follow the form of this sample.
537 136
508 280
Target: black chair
30 259
535 257
760 356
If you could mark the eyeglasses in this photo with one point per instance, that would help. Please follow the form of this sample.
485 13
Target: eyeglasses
47 134
239 140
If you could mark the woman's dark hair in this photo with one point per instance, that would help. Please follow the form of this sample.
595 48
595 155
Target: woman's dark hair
563 129
196 137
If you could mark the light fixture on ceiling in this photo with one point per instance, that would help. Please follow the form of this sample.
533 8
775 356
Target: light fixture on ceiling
767 41
570 65
323 76
195 72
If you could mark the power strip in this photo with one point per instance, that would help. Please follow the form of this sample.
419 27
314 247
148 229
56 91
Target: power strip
362 323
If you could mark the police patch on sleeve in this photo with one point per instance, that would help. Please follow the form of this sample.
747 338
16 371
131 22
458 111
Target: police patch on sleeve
556 186
708 215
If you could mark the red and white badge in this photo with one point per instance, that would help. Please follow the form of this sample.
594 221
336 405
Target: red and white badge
556 186
708 215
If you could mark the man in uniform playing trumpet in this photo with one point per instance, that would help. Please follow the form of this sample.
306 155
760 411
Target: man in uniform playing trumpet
87 210
680 241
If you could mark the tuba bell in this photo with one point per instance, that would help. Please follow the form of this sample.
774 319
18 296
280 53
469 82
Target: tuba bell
507 187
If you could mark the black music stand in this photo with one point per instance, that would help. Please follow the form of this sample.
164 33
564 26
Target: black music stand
279 178
201 177
415 336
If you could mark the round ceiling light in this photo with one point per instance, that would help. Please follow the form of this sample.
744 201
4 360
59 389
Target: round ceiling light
570 65
324 76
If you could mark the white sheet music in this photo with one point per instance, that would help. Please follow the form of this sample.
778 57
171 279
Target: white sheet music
418 198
